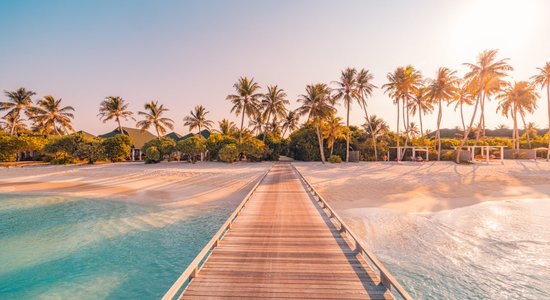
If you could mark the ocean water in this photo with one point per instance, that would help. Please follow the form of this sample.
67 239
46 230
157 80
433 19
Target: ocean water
491 250
57 247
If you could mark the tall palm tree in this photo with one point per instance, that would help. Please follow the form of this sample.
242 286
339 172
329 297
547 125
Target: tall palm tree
256 123
376 127
333 130
274 104
543 79
485 76
19 101
463 96
290 121
317 104
12 123
421 104
519 98
413 130
153 117
401 86
197 119
442 88
347 92
114 107
365 88
50 116
227 127
245 101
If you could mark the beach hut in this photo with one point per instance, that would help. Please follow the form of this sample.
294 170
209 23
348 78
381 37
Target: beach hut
416 152
139 138
486 153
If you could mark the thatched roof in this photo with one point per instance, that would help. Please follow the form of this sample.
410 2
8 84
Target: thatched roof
139 137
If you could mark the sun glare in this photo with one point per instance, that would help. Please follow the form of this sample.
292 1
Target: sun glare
503 24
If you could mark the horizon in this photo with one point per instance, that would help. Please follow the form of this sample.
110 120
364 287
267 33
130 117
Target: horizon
186 54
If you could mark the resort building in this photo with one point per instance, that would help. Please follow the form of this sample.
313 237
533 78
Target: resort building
139 138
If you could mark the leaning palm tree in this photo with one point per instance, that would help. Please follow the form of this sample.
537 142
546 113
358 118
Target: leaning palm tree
317 104
365 88
227 127
114 107
153 117
401 86
197 119
421 104
347 92
49 115
463 96
274 104
245 101
13 124
333 130
290 121
19 101
442 89
543 79
515 100
485 77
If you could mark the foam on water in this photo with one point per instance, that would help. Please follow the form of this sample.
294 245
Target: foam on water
489 250
97 249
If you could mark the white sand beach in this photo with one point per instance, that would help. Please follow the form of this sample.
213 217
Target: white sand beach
167 184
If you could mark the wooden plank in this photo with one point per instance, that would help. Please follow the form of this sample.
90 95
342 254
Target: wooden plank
283 246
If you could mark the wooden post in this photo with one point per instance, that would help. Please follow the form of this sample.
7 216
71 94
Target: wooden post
502 154
414 152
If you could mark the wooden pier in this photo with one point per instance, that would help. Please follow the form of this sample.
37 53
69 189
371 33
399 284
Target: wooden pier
285 242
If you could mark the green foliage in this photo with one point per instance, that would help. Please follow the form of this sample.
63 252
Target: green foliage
10 145
192 146
275 146
335 159
62 149
117 148
253 148
215 143
304 145
8 148
165 146
152 155
91 150
229 153
448 155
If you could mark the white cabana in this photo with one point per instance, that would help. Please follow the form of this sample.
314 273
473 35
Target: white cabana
415 151
485 152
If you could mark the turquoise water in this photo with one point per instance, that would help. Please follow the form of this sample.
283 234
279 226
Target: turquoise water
56 247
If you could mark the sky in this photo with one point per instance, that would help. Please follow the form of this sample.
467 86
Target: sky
186 53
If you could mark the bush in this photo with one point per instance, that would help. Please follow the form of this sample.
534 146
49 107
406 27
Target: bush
215 143
449 155
229 153
90 150
152 155
192 146
62 149
304 145
117 148
275 146
8 148
165 146
253 148
335 159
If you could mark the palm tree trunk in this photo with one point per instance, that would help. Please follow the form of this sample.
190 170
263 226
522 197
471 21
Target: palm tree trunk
515 117
119 126
482 119
548 97
467 132
398 156
284 132
319 138
266 124
242 122
371 130
439 132
157 129
462 117
420 116
12 130
347 134
526 130
56 130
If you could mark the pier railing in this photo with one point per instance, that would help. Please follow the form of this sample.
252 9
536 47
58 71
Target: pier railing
193 269
385 277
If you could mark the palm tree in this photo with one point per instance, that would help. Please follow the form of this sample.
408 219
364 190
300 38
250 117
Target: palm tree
227 127
463 96
197 119
442 88
502 126
274 104
114 107
49 116
333 131
543 79
245 101
401 86
291 121
317 104
11 123
519 98
19 101
153 117
256 122
365 88
485 77
376 127
413 130
421 104
347 92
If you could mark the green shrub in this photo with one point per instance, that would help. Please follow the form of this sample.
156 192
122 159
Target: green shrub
229 153
90 150
449 155
62 149
335 159
8 148
215 143
253 148
165 146
192 146
117 148
152 155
